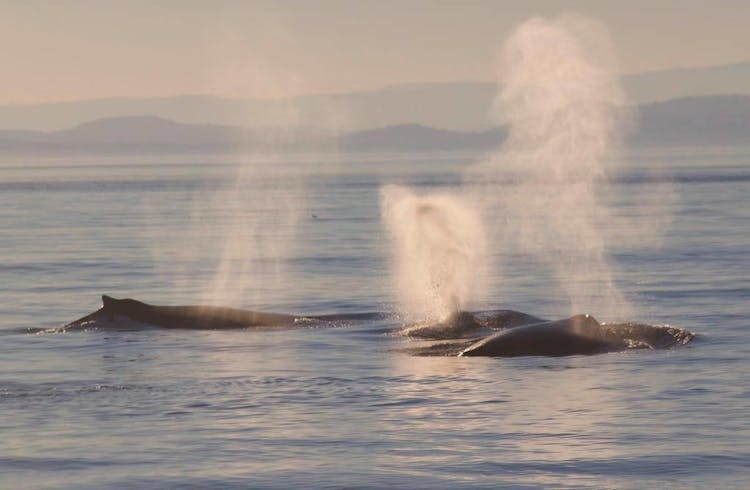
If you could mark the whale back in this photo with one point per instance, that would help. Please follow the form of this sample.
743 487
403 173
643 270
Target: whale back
648 336
192 317
509 319
458 325
580 334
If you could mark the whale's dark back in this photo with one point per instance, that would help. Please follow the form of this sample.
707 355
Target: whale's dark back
577 335
508 319
580 334
193 317
649 336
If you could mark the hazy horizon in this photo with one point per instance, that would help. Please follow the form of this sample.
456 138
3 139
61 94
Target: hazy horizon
80 49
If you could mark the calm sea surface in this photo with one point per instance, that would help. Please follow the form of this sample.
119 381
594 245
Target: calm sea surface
338 407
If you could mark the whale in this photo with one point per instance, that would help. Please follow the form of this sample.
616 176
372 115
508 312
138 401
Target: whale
131 314
496 333
463 324
577 335
516 335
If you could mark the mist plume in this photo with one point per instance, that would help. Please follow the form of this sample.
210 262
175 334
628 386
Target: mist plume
565 110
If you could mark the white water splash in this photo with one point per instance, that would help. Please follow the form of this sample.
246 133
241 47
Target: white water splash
438 251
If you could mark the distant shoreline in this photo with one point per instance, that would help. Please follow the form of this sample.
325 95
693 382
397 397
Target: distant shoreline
720 120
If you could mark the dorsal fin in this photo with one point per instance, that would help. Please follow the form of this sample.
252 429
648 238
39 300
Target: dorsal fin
108 302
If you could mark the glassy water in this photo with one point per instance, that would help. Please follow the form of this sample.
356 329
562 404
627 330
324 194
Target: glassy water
339 406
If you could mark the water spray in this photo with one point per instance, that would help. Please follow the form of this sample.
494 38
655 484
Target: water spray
565 110
438 250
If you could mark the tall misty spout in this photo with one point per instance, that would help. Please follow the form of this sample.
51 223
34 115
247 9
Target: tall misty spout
258 213
563 105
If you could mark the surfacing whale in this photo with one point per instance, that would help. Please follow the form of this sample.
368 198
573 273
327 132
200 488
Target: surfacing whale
577 335
462 324
136 313
499 333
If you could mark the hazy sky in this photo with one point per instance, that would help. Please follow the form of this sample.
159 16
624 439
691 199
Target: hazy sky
76 49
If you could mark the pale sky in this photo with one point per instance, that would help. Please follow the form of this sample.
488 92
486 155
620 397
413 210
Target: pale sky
82 49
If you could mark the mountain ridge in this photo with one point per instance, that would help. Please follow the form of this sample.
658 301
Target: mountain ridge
708 120
457 106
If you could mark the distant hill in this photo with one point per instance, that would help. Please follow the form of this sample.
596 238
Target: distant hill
408 137
706 121
644 88
150 134
689 121
458 106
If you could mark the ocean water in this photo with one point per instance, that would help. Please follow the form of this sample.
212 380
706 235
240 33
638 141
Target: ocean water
342 407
